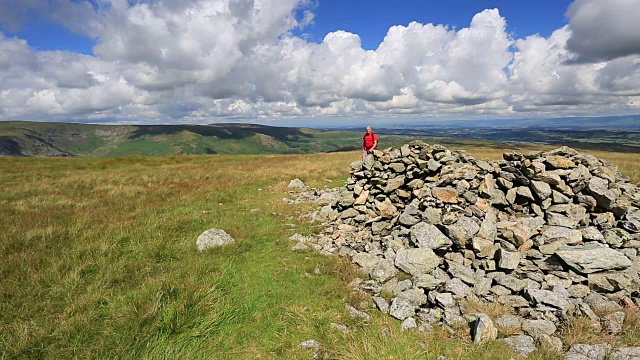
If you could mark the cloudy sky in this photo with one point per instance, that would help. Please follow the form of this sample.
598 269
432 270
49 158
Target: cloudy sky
205 61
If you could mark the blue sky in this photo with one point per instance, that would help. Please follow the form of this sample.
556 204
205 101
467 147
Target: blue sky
205 61
372 19
524 18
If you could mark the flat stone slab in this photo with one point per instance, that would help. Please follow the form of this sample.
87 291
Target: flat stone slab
588 259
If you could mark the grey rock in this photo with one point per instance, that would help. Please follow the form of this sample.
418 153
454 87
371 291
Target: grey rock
429 236
599 189
570 236
310 344
381 304
551 343
541 189
588 258
427 281
409 323
340 327
536 328
445 300
591 233
509 323
510 282
415 296
588 352
464 273
613 322
547 297
416 261
508 260
213 238
355 313
521 344
462 231
458 288
601 304
401 308
483 329
297 184
626 353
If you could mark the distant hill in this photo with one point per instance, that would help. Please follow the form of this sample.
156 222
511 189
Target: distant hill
23 138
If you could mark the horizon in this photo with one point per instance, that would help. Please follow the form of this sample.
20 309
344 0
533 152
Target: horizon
316 62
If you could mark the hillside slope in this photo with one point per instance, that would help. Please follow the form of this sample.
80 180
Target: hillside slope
21 138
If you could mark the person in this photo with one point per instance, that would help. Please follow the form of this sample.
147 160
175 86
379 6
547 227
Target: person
369 143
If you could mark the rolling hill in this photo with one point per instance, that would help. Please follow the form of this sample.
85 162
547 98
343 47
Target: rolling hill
22 138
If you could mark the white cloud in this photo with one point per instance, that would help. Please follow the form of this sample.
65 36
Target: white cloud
604 30
202 60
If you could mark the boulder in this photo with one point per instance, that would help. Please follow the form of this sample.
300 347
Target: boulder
213 238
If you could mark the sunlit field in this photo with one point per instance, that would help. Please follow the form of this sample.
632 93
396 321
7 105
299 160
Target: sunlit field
98 260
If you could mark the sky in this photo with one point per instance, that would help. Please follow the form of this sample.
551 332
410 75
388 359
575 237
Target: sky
316 61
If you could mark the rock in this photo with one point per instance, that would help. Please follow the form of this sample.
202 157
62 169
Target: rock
488 229
340 327
297 184
429 236
569 236
510 282
601 304
416 261
551 343
483 329
509 323
547 297
415 296
446 195
381 304
599 189
458 288
409 323
626 353
401 308
462 231
483 248
213 238
588 352
521 344
559 162
537 328
394 184
386 209
508 260
613 322
310 344
541 189
300 247
588 259
355 313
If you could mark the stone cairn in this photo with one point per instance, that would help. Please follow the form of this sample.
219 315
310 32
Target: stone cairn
551 234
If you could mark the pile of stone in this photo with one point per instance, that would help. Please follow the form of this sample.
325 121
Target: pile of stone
551 234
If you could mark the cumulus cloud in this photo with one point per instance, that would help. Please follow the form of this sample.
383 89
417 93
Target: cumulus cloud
604 30
201 61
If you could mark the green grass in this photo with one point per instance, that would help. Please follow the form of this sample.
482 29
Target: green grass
98 260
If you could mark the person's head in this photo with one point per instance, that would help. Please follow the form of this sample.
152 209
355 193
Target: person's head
369 130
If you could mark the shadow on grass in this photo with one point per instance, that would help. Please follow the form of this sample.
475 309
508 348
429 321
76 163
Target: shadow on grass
222 131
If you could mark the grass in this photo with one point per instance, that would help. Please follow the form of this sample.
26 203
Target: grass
98 260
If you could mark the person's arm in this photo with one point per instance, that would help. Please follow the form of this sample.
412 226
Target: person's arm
375 143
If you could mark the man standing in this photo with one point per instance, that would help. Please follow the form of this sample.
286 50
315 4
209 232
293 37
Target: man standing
369 143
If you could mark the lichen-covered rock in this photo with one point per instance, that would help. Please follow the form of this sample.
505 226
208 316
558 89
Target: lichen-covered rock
213 238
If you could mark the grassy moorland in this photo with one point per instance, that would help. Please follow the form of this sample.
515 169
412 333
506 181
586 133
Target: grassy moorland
98 260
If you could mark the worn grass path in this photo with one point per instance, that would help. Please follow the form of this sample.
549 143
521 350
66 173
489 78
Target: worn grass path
98 260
